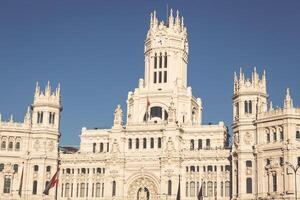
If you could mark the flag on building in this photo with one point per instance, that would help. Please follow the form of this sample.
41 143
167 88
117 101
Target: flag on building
21 183
53 182
200 196
178 192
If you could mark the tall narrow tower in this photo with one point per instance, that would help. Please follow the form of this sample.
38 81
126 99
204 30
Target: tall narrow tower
43 150
165 79
249 99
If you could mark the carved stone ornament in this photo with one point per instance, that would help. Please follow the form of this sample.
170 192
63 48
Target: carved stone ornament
36 145
248 138
142 189
51 146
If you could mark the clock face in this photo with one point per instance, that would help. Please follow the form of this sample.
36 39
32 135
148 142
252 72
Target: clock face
160 40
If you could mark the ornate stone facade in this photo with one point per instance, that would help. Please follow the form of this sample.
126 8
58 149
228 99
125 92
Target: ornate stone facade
161 144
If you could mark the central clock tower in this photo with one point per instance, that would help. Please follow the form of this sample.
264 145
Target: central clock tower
164 87
166 53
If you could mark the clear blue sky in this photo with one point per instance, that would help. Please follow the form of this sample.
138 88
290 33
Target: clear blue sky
95 50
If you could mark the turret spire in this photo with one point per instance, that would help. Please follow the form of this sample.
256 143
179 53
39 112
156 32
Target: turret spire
288 102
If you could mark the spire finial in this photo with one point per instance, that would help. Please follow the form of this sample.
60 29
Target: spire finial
271 106
11 118
48 89
37 89
288 102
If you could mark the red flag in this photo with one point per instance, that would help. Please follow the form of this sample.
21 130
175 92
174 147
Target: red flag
53 182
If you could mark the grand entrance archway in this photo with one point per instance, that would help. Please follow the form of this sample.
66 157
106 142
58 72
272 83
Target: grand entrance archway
142 189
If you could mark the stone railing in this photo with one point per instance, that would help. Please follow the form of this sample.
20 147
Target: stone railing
278 112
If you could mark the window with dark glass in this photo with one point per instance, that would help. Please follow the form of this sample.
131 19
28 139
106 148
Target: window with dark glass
34 187
192 168
209 168
275 136
156 111
155 77
94 147
165 76
199 144
3 145
281 135
227 168
16 168
268 137
130 143
114 189
160 77
169 187
207 143
159 142
192 144
137 143
248 163
7 184
166 59
160 60
36 168
152 143
249 185
101 147
144 143
155 60
17 146
10 145
297 135
274 179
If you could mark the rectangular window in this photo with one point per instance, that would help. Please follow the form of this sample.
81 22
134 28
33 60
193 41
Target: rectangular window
82 187
154 77
165 76
274 177
160 77
208 143
152 143
155 61
159 143
160 61
7 183
249 185
34 187
166 60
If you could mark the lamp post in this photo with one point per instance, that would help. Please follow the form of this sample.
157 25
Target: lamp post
295 169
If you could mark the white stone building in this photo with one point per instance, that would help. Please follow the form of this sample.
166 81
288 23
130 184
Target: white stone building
161 143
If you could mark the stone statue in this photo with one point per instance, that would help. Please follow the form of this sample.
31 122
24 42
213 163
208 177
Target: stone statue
118 116
143 194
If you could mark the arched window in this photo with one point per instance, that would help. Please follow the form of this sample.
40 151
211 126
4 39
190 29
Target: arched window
250 107
169 187
281 135
16 168
192 168
94 147
155 61
187 189
98 185
159 142
227 188
129 143
160 60
34 187
192 189
249 185
82 188
200 144
144 143
101 147
68 170
137 143
268 137
10 145
192 145
1 167
204 189
274 136
7 184
114 189
166 60
274 178
215 189
48 169
222 189
208 143
40 117
3 145
17 146
36 168
210 188
246 107
67 190
152 143
156 111
83 170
